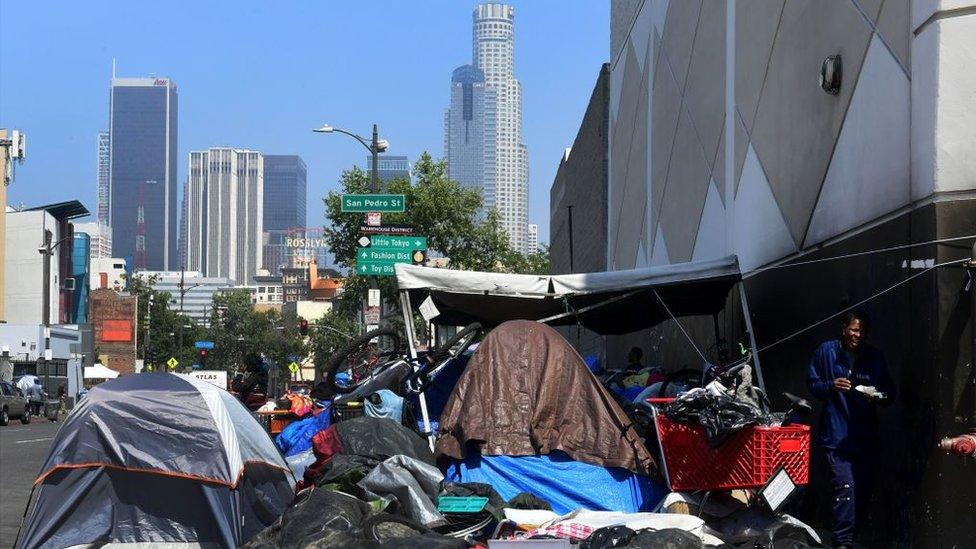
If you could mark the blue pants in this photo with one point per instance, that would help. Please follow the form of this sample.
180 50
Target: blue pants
852 479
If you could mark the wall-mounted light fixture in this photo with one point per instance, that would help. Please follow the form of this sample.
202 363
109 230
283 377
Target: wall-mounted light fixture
830 74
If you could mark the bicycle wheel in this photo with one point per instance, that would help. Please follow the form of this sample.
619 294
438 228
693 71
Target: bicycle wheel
455 346
362 359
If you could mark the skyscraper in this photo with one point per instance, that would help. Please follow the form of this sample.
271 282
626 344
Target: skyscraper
104 156
225 213
142 171
532 246
285 192
469 126
505 172
389 167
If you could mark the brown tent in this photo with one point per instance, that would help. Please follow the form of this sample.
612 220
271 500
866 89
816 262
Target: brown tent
527 392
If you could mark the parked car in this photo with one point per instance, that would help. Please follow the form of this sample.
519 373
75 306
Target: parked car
13 405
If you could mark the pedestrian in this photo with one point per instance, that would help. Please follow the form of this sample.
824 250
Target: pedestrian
35 394
851 378
62 399
634 357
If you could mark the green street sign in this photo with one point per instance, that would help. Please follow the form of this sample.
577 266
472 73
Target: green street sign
394 242
364 203
172 363
384 255
293 367
381 268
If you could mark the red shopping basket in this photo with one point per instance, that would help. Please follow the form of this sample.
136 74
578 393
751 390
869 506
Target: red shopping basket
746 459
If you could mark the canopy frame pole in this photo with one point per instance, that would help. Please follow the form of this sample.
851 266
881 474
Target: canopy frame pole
577 312
412 349
752 334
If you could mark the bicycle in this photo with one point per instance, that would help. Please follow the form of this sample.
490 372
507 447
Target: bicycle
369 356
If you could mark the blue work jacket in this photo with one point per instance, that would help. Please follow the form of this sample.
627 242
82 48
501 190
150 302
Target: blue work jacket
849 420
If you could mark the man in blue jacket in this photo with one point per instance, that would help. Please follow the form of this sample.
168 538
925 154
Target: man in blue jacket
851 378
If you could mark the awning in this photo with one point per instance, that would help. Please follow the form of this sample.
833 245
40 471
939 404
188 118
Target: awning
612 302
99 371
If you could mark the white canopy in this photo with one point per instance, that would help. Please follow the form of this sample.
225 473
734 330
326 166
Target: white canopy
612 302
99 371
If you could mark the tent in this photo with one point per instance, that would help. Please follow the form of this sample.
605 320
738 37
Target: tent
612 302
99 371
526 394
157 459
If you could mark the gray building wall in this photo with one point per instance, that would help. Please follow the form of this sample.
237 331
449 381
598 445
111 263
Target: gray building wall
25 267
811 176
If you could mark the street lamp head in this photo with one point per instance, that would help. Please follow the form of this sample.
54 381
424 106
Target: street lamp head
382 145
324 129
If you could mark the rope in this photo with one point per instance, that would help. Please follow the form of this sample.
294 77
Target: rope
680 327
858 254
862 302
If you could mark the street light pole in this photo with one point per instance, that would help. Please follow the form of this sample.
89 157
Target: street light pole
47 250
374 149
375 146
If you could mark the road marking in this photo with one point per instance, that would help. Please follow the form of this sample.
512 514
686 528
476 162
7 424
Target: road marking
33 440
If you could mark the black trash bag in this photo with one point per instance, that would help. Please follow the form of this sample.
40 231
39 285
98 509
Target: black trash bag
719 415
525 500
782 535
669 538
345 471
381 439
321 516
265 539
608 537
759 527
397 532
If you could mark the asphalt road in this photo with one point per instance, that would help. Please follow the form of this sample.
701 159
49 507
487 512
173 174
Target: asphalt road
22 452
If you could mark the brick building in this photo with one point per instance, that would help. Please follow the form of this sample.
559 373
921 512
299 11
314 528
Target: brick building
113 318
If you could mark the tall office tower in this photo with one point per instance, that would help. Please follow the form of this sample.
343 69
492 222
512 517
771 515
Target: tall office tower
494 54
142 171
389 167
469 128
182 239
225 213
104 154
532 246
285 191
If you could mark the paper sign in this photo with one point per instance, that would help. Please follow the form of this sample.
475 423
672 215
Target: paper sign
373 298
428 310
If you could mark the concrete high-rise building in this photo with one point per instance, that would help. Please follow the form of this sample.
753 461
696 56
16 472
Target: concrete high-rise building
142 171
533 239
389 167
469 124
285 192
101 238
225 213
483 126
104 159
494 53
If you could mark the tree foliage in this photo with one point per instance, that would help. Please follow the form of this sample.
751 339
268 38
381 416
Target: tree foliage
436 207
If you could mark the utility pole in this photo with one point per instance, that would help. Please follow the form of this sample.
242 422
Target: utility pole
375 150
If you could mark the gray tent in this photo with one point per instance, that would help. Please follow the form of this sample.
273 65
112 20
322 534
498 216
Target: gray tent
157 460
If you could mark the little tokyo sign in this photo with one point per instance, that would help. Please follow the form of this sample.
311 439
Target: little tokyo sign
394 242
365 203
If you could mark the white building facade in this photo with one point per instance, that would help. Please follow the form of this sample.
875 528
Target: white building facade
101 238
198 291
104 163
225 211
533 236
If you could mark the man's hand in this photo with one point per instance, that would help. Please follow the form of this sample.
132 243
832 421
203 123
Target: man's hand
842 385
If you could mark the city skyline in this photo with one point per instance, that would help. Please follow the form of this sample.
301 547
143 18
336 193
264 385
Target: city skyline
213 98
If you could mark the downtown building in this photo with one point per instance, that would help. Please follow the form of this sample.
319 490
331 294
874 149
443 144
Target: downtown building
104 168
142 172
853 192
285 194
483 125
224 205
389 168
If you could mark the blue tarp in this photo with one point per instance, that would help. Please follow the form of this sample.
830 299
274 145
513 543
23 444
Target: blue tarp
566 484
297 437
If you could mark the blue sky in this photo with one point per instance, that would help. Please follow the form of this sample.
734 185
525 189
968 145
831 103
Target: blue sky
260 75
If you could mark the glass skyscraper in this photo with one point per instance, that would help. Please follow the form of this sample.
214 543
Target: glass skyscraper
389 167
142 172
104 154
285 192
489 84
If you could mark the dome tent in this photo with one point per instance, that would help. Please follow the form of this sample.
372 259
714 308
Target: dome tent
157 459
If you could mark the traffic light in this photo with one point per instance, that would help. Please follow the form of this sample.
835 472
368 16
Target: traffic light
202 360
303 327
